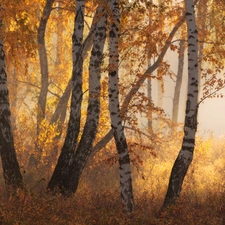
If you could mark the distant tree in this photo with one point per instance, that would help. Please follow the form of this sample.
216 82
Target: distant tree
185 155
42 98
129 96
176 97
11 169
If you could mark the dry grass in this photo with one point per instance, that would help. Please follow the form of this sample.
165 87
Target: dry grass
97 201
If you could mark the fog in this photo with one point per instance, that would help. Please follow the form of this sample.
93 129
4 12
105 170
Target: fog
211 116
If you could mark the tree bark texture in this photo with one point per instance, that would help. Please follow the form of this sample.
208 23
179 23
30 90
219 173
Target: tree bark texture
138 84
65 160
11 169
91 125
88 42
185 155
176 97
114 107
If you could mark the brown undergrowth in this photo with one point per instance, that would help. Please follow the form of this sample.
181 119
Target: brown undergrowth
97 201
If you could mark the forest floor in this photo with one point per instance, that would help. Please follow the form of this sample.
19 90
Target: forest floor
97 201
105 209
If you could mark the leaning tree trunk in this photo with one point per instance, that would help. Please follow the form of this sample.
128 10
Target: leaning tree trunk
149 81
41 107
65 160
176 97
114 107
201 19
185 155
11 169
139 83
67 154
91 125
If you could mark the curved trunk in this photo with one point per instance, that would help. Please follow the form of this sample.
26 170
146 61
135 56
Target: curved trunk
42 98
114 107
67 155
88 42
43 63
90 129
185 155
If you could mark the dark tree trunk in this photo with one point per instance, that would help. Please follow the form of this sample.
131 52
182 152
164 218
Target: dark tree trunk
61 108
69 182
11 169
185 155
65 160
42 99
176 97
90 129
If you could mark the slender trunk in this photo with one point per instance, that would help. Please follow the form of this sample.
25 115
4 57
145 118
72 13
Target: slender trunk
176 97
11 169
160 81
138 84
43 63
65 160
149 84
41 107
114 107
60 112
201 16
185 155
90 129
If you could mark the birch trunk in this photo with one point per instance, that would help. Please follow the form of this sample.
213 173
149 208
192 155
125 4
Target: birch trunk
60 108
11 169
176 97
90 129
185 155
114 107
61 171
138 84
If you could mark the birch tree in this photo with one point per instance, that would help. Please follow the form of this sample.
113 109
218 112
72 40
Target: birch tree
65 159
114 107
185 155
11 169
68 181
84 148
128 98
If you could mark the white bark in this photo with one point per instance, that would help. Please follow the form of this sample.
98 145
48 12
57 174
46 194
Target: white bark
91 125
114 107
185 155
62 170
